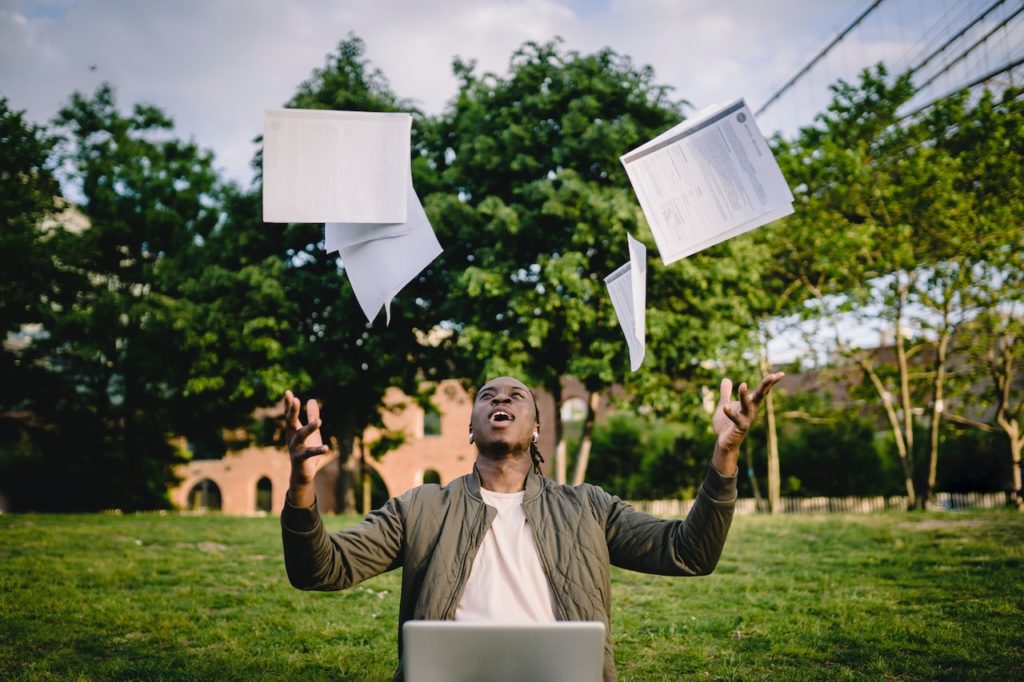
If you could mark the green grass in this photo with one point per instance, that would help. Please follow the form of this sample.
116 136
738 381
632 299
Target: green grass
890 596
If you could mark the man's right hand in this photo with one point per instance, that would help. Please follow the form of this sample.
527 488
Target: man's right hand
305 445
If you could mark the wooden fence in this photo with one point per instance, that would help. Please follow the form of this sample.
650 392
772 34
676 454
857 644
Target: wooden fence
832 505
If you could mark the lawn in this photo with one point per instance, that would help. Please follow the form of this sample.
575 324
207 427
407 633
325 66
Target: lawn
887 596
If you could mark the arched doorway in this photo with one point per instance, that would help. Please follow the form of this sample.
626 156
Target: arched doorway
264 492
204 496
430 476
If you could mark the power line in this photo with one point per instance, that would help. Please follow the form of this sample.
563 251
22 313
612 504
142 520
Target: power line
817 57
961 32
1009 66
970 49
933 34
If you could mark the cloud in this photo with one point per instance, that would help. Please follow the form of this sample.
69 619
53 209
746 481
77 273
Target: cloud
214 66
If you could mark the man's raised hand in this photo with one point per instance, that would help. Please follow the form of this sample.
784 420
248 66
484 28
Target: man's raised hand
304 441
733 418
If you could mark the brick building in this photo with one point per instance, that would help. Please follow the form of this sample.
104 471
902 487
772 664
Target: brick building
435 447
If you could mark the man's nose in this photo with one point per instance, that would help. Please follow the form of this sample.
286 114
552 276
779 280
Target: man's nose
500 398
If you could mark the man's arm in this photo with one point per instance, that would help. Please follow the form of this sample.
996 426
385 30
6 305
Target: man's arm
645 543
318 560
693 546
315 559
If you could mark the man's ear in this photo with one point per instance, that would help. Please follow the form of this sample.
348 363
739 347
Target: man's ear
471 436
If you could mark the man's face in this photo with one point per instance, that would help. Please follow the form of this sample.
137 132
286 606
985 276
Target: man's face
504 416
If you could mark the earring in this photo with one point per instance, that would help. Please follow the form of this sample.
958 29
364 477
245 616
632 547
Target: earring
470 437
535 437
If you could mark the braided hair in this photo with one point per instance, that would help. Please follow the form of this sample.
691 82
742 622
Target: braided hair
535 455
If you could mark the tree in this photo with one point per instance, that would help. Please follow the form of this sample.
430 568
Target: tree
108 347
29 284
907 222
28 195
328 349
985 136
536 213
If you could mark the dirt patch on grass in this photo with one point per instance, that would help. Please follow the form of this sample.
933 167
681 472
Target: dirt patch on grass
943 524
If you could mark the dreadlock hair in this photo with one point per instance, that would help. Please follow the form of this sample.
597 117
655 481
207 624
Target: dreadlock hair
535 455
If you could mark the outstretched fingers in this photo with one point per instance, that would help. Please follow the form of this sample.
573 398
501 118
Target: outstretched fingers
765 387
292 408
306 453
746 402
726 402
725 392
306 431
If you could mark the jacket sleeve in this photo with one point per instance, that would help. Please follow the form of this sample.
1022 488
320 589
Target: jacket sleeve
317 560
641 542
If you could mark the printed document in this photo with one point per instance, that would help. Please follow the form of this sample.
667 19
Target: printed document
627 287
381 259
324 166
706 180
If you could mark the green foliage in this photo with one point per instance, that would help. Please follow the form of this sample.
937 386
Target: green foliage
638 457
533 159
913 225
28 194
837 459
108 343
972 460
345 362
177 311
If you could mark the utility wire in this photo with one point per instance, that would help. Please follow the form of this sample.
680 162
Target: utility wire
817 58
961 32
1009 66
970 49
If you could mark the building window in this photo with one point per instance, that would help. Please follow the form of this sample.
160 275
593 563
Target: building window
204 496
431 422
264 490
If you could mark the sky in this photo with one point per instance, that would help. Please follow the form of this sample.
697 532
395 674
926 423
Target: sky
215 65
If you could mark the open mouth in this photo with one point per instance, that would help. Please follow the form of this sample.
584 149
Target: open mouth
499 416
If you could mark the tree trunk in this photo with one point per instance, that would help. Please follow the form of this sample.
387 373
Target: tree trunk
774 473
364 476
938 406
349 478
914 501
758 499
1016 445
583 456
897 432
561 467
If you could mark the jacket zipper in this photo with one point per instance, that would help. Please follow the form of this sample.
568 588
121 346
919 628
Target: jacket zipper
547 565
449 612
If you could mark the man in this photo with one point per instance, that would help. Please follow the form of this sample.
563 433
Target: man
505 542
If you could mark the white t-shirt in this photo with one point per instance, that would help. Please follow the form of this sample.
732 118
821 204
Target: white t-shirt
507 581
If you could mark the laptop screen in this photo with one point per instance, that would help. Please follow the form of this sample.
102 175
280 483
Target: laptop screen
449 651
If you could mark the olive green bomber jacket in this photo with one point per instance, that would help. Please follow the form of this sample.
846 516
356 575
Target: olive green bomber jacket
433 532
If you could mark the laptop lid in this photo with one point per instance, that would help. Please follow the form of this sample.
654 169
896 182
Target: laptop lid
449 651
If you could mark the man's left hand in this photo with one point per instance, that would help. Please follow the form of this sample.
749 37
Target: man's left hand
733 418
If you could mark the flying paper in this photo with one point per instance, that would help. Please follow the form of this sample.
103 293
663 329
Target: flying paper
324 166
706 180
627 287
381 259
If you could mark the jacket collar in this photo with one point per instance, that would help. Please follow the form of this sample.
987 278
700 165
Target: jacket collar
534 485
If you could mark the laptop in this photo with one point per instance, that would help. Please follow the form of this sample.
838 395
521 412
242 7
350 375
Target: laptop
449 651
